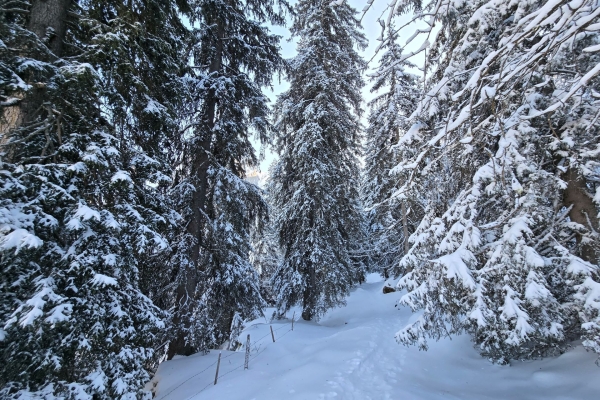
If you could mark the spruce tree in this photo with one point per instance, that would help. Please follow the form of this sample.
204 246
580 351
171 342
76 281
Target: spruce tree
389 218
507 249
315 182
234 56
144 94
81 215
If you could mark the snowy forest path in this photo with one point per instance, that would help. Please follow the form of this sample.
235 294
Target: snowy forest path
370 371
351 354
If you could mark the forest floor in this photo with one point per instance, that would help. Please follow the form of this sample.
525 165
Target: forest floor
351 354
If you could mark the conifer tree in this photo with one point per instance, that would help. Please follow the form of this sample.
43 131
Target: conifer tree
315 182
388 218
144 92
81 215
507 249
234 56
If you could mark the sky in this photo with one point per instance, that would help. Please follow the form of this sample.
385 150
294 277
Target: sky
371 29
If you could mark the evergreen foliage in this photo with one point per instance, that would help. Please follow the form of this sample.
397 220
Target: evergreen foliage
265 256
315 183
82 217
128 233
234 56
507 248
389 219
142 90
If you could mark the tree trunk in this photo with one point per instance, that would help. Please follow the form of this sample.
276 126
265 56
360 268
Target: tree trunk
309 295
405 228
48 20
584 211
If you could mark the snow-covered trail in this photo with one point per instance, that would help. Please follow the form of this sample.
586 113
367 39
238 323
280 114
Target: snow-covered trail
351 354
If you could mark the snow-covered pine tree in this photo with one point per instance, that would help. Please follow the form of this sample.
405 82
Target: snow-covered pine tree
389 220
508 247
78 220
315 183
234 56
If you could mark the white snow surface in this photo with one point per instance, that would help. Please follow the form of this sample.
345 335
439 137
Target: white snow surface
351 354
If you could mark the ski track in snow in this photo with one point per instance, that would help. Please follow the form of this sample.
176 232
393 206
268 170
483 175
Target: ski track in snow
351 354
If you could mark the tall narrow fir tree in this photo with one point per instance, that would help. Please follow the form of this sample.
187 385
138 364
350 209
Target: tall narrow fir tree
315 182
234 57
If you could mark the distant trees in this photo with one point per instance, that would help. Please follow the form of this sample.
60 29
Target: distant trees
315 183
266 255
390 218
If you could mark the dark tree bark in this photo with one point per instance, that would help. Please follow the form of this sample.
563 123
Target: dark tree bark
309 294
48 20
405 227
584 210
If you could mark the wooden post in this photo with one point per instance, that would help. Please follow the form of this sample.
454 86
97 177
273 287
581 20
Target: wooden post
293 318
218 365
247 360
272 334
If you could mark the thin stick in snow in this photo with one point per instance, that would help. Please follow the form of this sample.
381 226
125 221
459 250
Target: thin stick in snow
272 334
218 365
247 359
